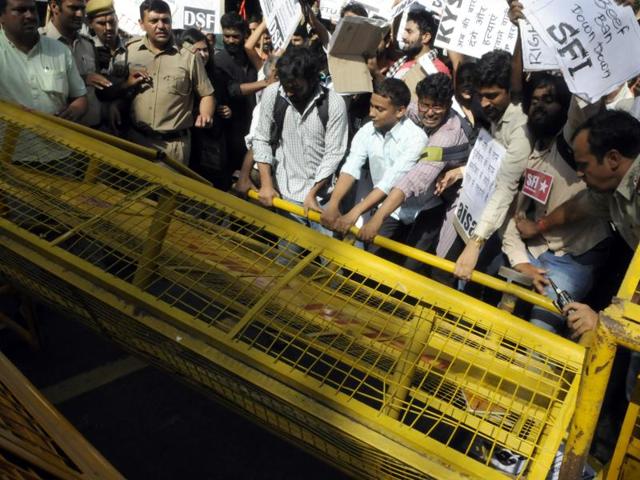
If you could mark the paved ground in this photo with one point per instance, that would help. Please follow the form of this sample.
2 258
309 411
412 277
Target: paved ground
147 424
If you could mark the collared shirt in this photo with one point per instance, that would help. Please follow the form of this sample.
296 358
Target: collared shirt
575 238
512 133
177 75
85 56
43 79
420 180
307 153
622 207
391 155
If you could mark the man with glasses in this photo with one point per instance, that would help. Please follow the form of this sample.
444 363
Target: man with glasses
447 148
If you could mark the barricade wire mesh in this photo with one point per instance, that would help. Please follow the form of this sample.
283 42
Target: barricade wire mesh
434 370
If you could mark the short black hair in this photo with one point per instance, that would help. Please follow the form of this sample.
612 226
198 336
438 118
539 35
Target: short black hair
355 8
425 21
395 90
612 130
494 68
191 35
544 79
233 21
296 63
255 18
158 6
438 87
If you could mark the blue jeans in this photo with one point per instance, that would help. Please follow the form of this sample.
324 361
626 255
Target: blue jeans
568 274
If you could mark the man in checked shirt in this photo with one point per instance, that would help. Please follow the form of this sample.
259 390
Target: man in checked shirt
298 164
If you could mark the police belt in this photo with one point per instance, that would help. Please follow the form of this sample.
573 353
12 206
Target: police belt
165 136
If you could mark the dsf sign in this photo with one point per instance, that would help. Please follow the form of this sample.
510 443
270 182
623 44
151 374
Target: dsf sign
197 18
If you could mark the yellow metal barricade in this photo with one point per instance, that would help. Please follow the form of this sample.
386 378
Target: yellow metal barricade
36 442
378 370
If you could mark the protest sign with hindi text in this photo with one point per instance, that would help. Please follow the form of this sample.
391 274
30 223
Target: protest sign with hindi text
475 27
478 183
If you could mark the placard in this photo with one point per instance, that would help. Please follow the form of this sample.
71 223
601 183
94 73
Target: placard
201 14
330 9
596 43
536 54
478 183
475 27
283 17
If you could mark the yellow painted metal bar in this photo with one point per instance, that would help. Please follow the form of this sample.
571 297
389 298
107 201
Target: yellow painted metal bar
626 434
592 389
629 285
424 257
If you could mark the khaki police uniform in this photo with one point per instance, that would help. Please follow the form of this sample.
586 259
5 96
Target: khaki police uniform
84 55
162 110
622 207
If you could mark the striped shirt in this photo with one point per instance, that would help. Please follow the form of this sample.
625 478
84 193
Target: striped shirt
307 154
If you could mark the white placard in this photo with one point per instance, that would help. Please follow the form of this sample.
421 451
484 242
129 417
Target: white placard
379 8
330 9
475 27
202 14
597 43
536 54
478 183
283 17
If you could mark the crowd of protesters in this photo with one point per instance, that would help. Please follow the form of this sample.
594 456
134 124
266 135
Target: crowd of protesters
390 162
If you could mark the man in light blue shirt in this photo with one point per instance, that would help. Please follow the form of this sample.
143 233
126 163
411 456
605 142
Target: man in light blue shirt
392 144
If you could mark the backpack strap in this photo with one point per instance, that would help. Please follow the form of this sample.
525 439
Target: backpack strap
279 111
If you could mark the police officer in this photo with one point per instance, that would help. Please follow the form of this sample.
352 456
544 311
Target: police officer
67 17
162 107
111 59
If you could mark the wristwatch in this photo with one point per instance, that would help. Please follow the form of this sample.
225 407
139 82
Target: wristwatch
477 239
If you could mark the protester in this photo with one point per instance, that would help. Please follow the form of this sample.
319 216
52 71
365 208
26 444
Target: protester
568 255
391 144
508 127
239 78
37 71
301 135
447 148
162 108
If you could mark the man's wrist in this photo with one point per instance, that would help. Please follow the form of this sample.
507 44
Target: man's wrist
542 225
477 240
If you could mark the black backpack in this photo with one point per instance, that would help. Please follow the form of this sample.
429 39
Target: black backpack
280 110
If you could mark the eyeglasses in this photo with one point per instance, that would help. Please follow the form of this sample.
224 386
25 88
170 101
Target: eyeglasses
423 107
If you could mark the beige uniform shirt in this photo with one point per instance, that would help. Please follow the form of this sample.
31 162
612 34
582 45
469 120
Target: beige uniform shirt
45 79
622 207
576 238
166 105
84 54
512 133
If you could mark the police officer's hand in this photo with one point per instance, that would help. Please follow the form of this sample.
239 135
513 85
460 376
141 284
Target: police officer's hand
244 184
515 12
203 121
540 281
266 194
137 77
224 111
370 229
98 81
580 319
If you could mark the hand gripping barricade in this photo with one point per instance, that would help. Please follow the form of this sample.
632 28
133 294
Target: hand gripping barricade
382 372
